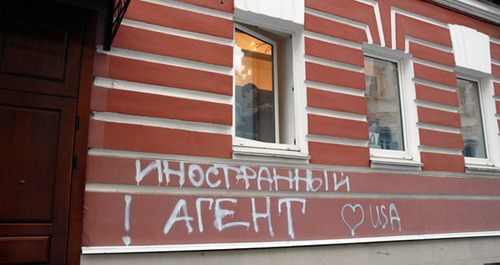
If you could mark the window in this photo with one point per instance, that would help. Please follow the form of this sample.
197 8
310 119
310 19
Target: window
472 123
265 77
384 104
391 109
256 115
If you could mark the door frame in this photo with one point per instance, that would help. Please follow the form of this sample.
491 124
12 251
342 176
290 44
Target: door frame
80 150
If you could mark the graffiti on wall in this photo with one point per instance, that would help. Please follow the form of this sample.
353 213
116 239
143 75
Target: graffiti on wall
218 212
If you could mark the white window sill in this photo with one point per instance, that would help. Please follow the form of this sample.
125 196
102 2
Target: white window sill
269 154
482 169
395 163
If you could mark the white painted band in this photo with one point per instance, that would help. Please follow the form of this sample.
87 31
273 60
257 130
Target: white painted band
302 243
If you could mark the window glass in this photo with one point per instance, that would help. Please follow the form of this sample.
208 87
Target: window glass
470 115
384 106
254 88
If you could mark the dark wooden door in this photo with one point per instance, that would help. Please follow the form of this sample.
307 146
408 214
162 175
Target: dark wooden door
40 58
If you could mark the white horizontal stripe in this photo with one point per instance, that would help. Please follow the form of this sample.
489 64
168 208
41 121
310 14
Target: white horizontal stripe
336 140
276 244
439 150
167 190
192 8
438 128
336 114
334 88
161 90
177 32
497 41
429 44
162 123
434 85
495 62
278 164
433 65
436 106
395 11
342 20
332 40
167 60
332 63
419 17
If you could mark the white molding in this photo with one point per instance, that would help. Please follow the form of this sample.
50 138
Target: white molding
429 44
162 123
439 150
342 20
278 164
166 60
433 64
291 11
164 189
378 18
475 8
436 106
439 128
395 164
336 114
336 140
275 244
257 154
434 85
177 32
395 11
336 89
334 64
192 8
161 90
332 40
471 49
482 170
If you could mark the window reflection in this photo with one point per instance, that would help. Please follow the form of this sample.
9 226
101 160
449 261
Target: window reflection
254 89
384 106
470 116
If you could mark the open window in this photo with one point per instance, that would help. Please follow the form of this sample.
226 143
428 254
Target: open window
266 119
256 86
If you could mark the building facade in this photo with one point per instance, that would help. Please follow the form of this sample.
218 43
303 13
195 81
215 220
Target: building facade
273 132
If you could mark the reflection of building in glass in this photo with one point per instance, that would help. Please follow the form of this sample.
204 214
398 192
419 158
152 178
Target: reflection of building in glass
384 107
471 119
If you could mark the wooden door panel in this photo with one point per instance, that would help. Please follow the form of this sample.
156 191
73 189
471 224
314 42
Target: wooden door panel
37 51
29 139
14 250
40 49
36 147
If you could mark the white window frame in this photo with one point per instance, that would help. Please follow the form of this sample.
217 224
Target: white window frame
297 152
409 158
490 127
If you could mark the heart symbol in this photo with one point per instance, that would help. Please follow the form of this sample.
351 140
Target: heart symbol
126 240
353 208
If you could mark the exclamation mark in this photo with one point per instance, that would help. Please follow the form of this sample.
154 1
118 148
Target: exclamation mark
126 239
